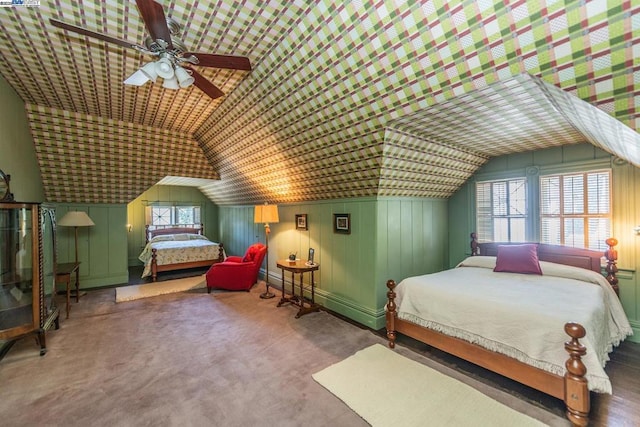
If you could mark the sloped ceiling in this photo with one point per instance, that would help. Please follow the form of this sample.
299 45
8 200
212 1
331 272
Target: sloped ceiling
393 98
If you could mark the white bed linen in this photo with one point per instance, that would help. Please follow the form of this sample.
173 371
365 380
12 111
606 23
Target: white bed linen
196 248
520 315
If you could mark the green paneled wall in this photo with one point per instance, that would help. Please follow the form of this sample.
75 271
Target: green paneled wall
171 195
390 238
102 248
626 208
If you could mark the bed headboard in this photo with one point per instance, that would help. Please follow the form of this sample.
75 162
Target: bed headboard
576 257
567 255
159 230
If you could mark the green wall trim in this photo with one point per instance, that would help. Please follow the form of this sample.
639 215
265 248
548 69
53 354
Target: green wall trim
360 314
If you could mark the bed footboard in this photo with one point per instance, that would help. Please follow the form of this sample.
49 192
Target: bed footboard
155 268
572 388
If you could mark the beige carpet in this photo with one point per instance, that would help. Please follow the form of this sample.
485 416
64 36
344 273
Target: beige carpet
133 292
386 388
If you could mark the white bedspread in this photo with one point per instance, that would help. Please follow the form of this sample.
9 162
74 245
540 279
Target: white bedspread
169 251
520 315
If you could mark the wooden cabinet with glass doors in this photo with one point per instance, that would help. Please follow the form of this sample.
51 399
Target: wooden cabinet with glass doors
27 273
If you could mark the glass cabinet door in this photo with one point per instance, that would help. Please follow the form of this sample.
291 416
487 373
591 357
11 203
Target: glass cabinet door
48 261
16 271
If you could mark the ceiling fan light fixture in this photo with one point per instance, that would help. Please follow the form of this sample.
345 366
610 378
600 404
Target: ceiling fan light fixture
185 79
171 83
164 68
149 70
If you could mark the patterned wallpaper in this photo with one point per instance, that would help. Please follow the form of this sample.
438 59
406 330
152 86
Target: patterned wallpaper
345 99
97 160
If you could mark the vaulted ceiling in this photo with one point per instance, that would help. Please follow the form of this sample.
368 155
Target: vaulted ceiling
345 99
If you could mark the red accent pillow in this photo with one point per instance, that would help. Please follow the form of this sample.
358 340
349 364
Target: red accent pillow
518 259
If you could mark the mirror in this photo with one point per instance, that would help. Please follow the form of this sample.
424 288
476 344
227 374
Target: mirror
5 192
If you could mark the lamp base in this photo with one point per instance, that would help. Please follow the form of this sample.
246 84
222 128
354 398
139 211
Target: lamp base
267 295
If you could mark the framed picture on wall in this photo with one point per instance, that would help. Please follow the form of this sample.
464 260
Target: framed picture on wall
342 223
301 222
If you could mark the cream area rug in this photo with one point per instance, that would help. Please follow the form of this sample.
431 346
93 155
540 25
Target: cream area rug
388 389
133 292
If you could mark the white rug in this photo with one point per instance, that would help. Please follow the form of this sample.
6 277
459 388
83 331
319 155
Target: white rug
387 389
133 292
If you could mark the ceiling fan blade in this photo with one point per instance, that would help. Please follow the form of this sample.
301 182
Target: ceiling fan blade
205 85
93 34
222 61
153 16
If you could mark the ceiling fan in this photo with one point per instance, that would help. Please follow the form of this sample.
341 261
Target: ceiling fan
174 61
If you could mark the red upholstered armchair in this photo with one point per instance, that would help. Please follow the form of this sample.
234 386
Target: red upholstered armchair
237 273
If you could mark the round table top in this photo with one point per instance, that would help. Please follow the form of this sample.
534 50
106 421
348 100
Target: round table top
297 265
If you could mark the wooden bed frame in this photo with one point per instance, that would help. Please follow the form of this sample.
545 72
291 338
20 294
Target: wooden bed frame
155 268
572 388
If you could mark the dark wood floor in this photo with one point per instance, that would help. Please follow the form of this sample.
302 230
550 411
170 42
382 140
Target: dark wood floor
620 409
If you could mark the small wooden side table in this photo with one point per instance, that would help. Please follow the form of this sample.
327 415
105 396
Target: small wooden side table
63 275
299 267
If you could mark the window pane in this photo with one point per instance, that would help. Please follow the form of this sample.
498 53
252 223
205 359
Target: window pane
574 232
500 230
484 228
598 192
483 198
185 215
550 231
550 195
499 198
573 194
599 231
161 215
518 230
517 200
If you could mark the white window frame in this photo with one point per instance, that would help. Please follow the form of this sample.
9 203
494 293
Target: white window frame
174 217
514 210
594 216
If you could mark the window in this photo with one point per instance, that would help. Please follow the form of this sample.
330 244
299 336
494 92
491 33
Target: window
173 215
501 210
575 209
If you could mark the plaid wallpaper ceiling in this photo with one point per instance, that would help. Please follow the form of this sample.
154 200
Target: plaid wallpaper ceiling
345 99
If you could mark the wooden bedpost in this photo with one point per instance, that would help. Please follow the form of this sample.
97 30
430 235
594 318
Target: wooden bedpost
475 249
154 264
391 313
576 391
221 252
612 256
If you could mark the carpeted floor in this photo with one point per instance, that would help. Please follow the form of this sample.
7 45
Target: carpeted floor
191 359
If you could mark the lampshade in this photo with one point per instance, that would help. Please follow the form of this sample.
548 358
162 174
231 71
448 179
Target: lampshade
265 214
164 68
185 79
171 83
149 70
75 219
